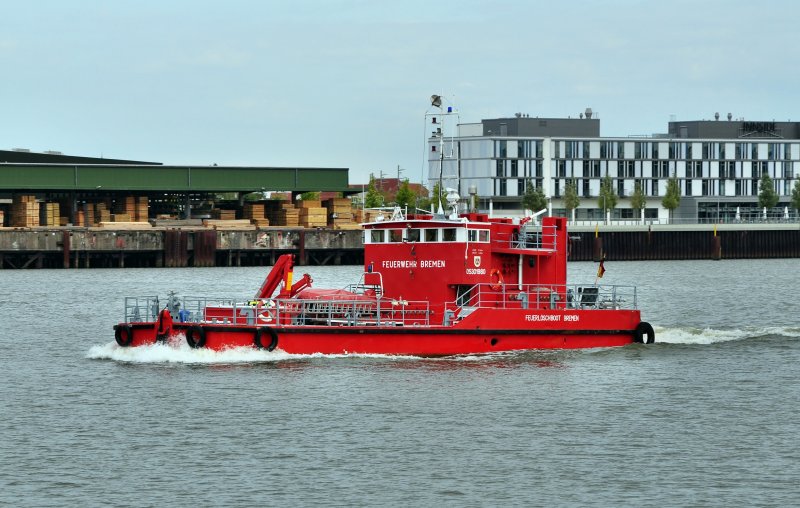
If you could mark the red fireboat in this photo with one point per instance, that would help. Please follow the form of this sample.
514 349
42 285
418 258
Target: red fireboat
433 285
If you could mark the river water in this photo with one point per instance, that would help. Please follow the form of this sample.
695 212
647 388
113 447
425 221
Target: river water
707 416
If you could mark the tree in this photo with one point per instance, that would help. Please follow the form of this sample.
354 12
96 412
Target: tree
373 198
672 198
767 197
426 202
796 194
638 199
607 199
404 197
571 199
309 196
534 198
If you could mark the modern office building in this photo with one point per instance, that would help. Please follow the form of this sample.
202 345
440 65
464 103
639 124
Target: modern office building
718 164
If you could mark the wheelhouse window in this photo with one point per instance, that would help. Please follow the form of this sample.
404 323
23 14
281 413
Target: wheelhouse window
395 235
376 236
431 235
483 236
413 235
449 234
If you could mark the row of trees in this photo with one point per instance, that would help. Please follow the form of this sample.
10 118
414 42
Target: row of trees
404 197
534 198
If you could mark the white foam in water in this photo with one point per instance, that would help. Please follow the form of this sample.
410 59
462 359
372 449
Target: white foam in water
712 336
180 352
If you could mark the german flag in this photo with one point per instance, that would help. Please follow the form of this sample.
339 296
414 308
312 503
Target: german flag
601 269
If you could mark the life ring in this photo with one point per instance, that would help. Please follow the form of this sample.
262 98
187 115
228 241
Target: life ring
497 279
123 334
265 313
258 340
642 329
196 337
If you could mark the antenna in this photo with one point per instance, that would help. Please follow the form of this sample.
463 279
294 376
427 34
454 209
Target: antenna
438 120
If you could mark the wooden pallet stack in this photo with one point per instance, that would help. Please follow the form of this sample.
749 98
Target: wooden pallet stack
121 217
24 211
254 212
289 215
125 206
142 209
340 213
360 216
223 214
271 208
312 214
101 213
49 214
229 224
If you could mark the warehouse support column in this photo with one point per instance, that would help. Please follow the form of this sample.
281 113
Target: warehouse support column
188 207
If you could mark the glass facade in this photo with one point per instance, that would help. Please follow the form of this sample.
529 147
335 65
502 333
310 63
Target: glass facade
707 170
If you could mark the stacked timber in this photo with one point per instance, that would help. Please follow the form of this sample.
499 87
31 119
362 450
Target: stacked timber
340 213
282 213
289 215
121 217
24 211
125 206
130 225
101 213
142 206
254 212
229 224
313 217
272 210
2 218
223 214
49 214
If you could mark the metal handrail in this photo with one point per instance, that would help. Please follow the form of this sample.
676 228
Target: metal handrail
547 297
141 309
300 312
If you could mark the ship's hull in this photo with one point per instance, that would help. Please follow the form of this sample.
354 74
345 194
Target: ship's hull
505 331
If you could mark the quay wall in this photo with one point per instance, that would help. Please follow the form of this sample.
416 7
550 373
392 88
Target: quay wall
72 247
706 241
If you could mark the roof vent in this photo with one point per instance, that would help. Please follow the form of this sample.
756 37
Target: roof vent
589 113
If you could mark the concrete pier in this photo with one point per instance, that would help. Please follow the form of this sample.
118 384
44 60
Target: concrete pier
80 247
158 247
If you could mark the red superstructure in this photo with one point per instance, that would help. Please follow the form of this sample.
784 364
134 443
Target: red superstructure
432 286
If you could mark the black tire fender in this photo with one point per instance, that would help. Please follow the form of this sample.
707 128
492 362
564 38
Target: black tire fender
196 337
258 339
644 329
123 334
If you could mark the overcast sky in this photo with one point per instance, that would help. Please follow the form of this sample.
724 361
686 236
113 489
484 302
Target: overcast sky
346 83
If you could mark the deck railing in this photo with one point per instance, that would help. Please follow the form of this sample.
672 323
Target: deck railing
546 297
298 312
141 308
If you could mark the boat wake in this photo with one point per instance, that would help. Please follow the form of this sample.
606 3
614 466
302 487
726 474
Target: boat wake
180 352
689 335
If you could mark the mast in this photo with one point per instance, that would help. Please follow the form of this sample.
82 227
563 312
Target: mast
436 102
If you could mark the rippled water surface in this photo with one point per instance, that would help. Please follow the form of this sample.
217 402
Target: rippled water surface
707 416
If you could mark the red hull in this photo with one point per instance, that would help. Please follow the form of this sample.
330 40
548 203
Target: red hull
471 336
